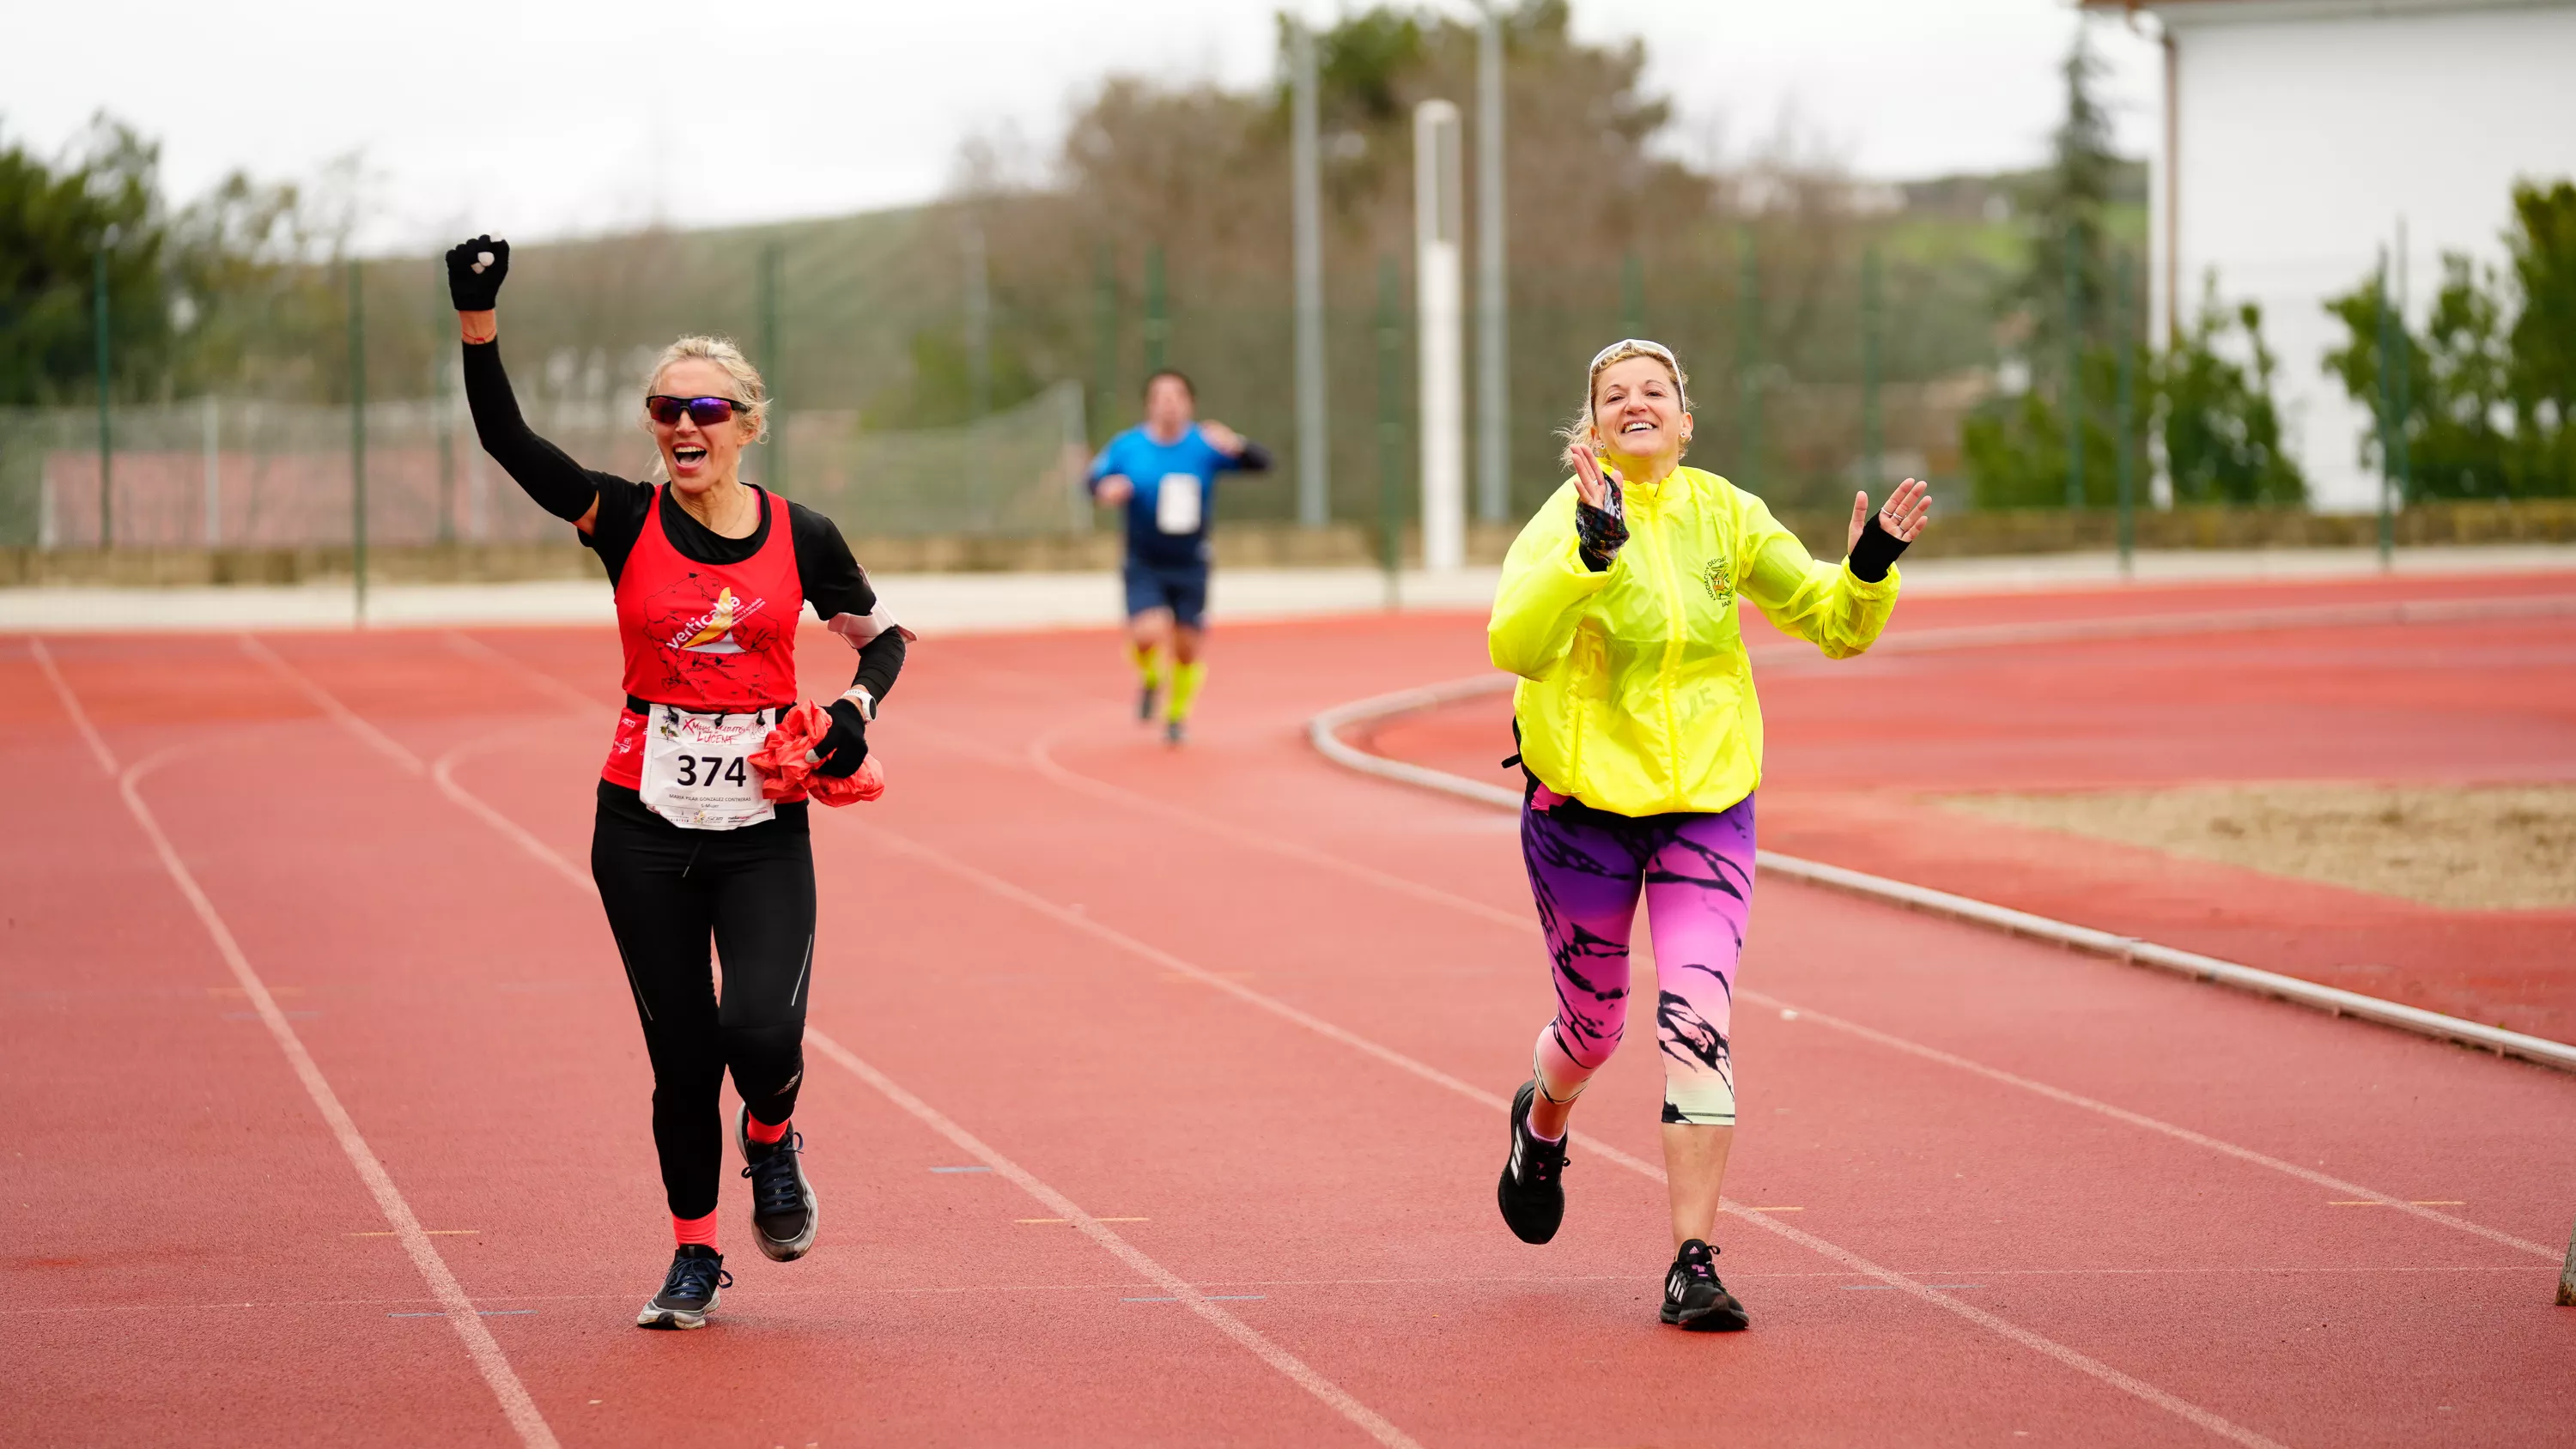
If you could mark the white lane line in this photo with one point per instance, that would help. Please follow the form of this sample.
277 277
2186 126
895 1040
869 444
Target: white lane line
2081 1363
71 705
1244 1334
330 704
1102 789
1252 1339
2180 1134
480 1346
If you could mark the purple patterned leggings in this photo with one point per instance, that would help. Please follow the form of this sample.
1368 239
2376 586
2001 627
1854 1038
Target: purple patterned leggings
1586 869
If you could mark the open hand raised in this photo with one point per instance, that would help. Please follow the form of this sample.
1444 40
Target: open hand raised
1903 518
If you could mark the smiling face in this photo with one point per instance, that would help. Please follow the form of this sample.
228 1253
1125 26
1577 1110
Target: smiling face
1637 416
699 458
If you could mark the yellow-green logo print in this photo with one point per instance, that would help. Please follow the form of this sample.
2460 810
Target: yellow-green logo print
1714 579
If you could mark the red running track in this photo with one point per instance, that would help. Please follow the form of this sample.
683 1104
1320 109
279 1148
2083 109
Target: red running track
2480 688
1226 1032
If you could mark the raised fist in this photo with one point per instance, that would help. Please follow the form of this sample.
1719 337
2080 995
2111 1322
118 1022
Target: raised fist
474 273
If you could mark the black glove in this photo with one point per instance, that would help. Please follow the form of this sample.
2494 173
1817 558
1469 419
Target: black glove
474 273
1876 552
1599 532
845 746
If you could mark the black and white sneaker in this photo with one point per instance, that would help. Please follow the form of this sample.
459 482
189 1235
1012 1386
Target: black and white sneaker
1145 698
1694 1299
782 1201
689 1292
1174 732
1531 1195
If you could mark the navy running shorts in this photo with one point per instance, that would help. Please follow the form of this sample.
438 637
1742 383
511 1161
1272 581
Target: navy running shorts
1182 589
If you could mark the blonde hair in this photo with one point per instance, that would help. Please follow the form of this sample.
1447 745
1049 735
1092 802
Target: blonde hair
748 388
1578 433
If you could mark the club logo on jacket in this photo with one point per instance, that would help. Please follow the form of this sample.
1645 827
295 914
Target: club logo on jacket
704 629
1714 579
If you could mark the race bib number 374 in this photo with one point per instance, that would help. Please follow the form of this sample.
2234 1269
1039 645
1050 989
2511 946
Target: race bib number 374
697 768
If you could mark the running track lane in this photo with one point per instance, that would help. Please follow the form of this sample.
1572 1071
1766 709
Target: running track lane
1033 1033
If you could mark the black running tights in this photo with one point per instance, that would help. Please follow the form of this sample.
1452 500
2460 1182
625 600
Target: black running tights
669 892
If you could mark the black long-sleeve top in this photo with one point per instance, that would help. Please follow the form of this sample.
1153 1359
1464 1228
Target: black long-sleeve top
833 581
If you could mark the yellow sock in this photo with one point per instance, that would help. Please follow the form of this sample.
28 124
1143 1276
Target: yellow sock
1148 664
1185 687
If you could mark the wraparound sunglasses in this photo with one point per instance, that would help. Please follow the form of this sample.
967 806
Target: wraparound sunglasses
706 412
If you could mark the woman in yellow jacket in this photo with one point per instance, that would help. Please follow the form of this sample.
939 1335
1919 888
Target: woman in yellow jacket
1642 745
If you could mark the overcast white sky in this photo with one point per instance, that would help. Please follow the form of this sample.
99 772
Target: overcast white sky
547 117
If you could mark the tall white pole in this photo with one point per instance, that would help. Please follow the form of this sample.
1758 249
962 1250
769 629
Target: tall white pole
1493 381
1314 499
1439 290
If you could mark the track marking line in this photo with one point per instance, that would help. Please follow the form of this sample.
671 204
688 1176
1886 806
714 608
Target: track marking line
1286 1363
2080 1362
1289 1365
432 1232
485 1351
1067 1220
1104 790
376 739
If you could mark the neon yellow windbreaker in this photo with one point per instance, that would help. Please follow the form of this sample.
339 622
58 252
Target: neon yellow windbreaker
1636 695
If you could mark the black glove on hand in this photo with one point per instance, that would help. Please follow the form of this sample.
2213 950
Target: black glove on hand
1876 552
1598 532
474 273
845 747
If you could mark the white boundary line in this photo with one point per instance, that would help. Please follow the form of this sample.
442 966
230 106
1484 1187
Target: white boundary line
1324 731
1368 1420
1046 764
2081 1363
516 1404
1251 1338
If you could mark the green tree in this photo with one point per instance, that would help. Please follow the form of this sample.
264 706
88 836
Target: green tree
2222 431
2489 381
54 225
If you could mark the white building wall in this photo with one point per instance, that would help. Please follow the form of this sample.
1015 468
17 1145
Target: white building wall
2307 128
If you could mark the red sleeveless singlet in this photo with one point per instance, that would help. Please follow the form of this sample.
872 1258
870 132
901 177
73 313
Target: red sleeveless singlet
705 637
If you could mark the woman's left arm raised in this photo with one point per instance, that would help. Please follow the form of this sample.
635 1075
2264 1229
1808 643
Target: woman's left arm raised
1839 609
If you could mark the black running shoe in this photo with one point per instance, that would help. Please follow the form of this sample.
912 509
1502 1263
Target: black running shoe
1145 703
782 1201
689 1293
1694 1299
1174 731
1530 1194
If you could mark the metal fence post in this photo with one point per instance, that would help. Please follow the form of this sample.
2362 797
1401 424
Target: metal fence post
358 431
2071 394
214 475
1748 360
1103 412
1390 426
106 443
2389 423
2125 340
1493 380
1314 487
774 361
1158 327
1632 296
442 420
1872 463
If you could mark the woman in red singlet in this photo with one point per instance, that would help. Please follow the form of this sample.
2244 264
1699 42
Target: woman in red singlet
711 575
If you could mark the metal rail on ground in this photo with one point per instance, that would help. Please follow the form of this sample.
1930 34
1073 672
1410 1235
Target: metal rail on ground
1324 730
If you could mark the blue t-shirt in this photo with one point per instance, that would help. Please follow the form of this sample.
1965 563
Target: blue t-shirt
1167 516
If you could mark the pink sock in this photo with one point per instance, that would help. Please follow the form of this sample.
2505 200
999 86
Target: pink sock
700 1231
762 1132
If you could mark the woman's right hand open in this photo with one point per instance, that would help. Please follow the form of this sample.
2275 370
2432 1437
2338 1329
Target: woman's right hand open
474 272
1592 477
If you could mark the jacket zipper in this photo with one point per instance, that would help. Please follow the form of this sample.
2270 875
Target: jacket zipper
1672 642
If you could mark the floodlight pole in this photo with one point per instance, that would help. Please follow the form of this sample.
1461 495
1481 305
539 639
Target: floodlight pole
1493 366
1314 497
1438 288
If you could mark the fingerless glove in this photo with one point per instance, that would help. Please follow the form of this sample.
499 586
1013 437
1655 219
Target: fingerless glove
1876 552
1598 532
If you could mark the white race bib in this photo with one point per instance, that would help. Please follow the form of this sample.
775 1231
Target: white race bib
697 767
1176 503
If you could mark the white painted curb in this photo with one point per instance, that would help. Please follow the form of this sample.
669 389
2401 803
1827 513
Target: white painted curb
1324 730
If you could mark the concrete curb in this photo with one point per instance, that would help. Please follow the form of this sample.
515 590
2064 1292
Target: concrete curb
1324 731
